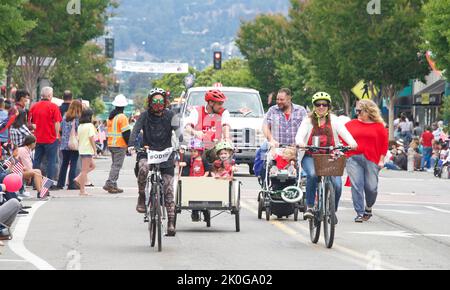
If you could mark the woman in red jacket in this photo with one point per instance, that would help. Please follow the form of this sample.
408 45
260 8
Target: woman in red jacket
365 163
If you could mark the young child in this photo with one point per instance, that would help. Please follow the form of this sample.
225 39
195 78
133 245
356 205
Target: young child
223 167
196 165
86 148
284 161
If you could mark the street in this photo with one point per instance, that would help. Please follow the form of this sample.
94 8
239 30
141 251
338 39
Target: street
409 230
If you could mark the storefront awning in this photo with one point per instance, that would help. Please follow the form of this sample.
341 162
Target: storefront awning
431 95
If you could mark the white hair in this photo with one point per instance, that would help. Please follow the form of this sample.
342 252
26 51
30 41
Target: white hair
46 92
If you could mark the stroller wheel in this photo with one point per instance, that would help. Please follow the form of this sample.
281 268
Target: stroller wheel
268 213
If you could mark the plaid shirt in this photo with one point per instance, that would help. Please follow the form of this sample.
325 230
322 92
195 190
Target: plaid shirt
284 131
17 135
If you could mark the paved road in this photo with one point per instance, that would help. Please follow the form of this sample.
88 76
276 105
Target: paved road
410 230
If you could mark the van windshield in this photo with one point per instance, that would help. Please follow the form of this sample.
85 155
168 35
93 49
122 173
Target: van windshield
240 104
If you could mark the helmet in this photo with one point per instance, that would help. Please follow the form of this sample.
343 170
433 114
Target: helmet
120 101
223 145
157 91
215 96
196 144
321 96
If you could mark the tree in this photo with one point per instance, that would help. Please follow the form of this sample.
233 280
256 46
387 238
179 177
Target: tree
85 73
12 30
377 48
57 34
98 106
263 41
436 31
173 83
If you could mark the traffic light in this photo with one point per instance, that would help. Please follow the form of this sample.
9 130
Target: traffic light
109 47
217 60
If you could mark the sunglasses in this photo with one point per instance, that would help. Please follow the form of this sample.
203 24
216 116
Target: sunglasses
325 105
158 101
358 111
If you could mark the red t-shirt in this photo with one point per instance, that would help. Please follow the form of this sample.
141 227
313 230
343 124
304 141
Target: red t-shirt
427 139
372 140
287 116
44 115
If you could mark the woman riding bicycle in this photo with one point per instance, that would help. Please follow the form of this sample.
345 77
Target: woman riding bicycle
328 128
157 127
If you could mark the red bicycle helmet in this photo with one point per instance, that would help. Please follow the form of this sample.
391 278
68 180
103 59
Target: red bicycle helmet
215 96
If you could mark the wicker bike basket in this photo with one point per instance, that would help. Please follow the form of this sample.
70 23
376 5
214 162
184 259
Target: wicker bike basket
327 165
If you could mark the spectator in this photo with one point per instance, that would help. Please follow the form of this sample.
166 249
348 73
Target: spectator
8 213
86 148
46 118
22 100
3 118
405 130
24 156
70 122
417 132
400 158
19 129
427 142
436 131
67 97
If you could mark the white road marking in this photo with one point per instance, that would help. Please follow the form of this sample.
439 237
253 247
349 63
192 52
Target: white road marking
17 243
348 254
437 209
399 234
12 261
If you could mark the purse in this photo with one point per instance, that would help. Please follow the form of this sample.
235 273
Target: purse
73 138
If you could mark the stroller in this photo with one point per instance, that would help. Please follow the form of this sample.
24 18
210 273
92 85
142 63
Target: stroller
282 192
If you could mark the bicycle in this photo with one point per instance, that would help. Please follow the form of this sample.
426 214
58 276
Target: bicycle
155 212
326 166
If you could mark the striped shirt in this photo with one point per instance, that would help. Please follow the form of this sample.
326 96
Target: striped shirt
17 135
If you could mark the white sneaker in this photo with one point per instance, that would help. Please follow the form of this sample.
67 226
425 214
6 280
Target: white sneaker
25 194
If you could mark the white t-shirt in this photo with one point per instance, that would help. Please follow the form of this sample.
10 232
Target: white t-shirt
193 117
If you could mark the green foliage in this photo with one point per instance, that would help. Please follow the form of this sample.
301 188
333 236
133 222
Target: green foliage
173 83
264 42
98 106
436 31
445 109
85 73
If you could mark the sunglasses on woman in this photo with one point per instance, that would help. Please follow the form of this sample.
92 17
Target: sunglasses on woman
358 111
325 105
158 101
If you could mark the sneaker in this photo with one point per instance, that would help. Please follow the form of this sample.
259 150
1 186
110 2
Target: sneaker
54 188
359 219
115 190
25 194
195 216
106 187
309 214
26 207
367 214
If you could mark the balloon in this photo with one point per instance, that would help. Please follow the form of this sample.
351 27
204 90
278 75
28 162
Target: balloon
13 182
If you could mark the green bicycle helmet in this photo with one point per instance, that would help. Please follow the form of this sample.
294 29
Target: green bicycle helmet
223 145
321 96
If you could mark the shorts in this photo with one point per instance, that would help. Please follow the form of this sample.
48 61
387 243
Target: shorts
86 155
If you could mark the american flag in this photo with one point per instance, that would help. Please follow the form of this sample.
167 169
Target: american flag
17 168
46 184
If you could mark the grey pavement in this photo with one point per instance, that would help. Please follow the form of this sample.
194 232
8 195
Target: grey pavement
409 230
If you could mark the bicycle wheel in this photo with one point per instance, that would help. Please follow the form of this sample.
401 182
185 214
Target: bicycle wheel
158 217
152 222
314 223
329 213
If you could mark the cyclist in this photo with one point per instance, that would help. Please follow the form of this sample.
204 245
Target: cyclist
157 126
210 123
327 126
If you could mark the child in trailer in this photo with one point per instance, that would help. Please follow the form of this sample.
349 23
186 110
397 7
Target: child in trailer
224 166
195 165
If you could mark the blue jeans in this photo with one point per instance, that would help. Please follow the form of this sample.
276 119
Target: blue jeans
69 158
311 182
391 166
364 178
426 157
49 151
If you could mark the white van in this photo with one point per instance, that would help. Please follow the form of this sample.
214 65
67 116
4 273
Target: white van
247 116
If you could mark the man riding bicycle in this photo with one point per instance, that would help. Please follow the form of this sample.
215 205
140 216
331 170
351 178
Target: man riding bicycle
328 128
157 126
211 123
